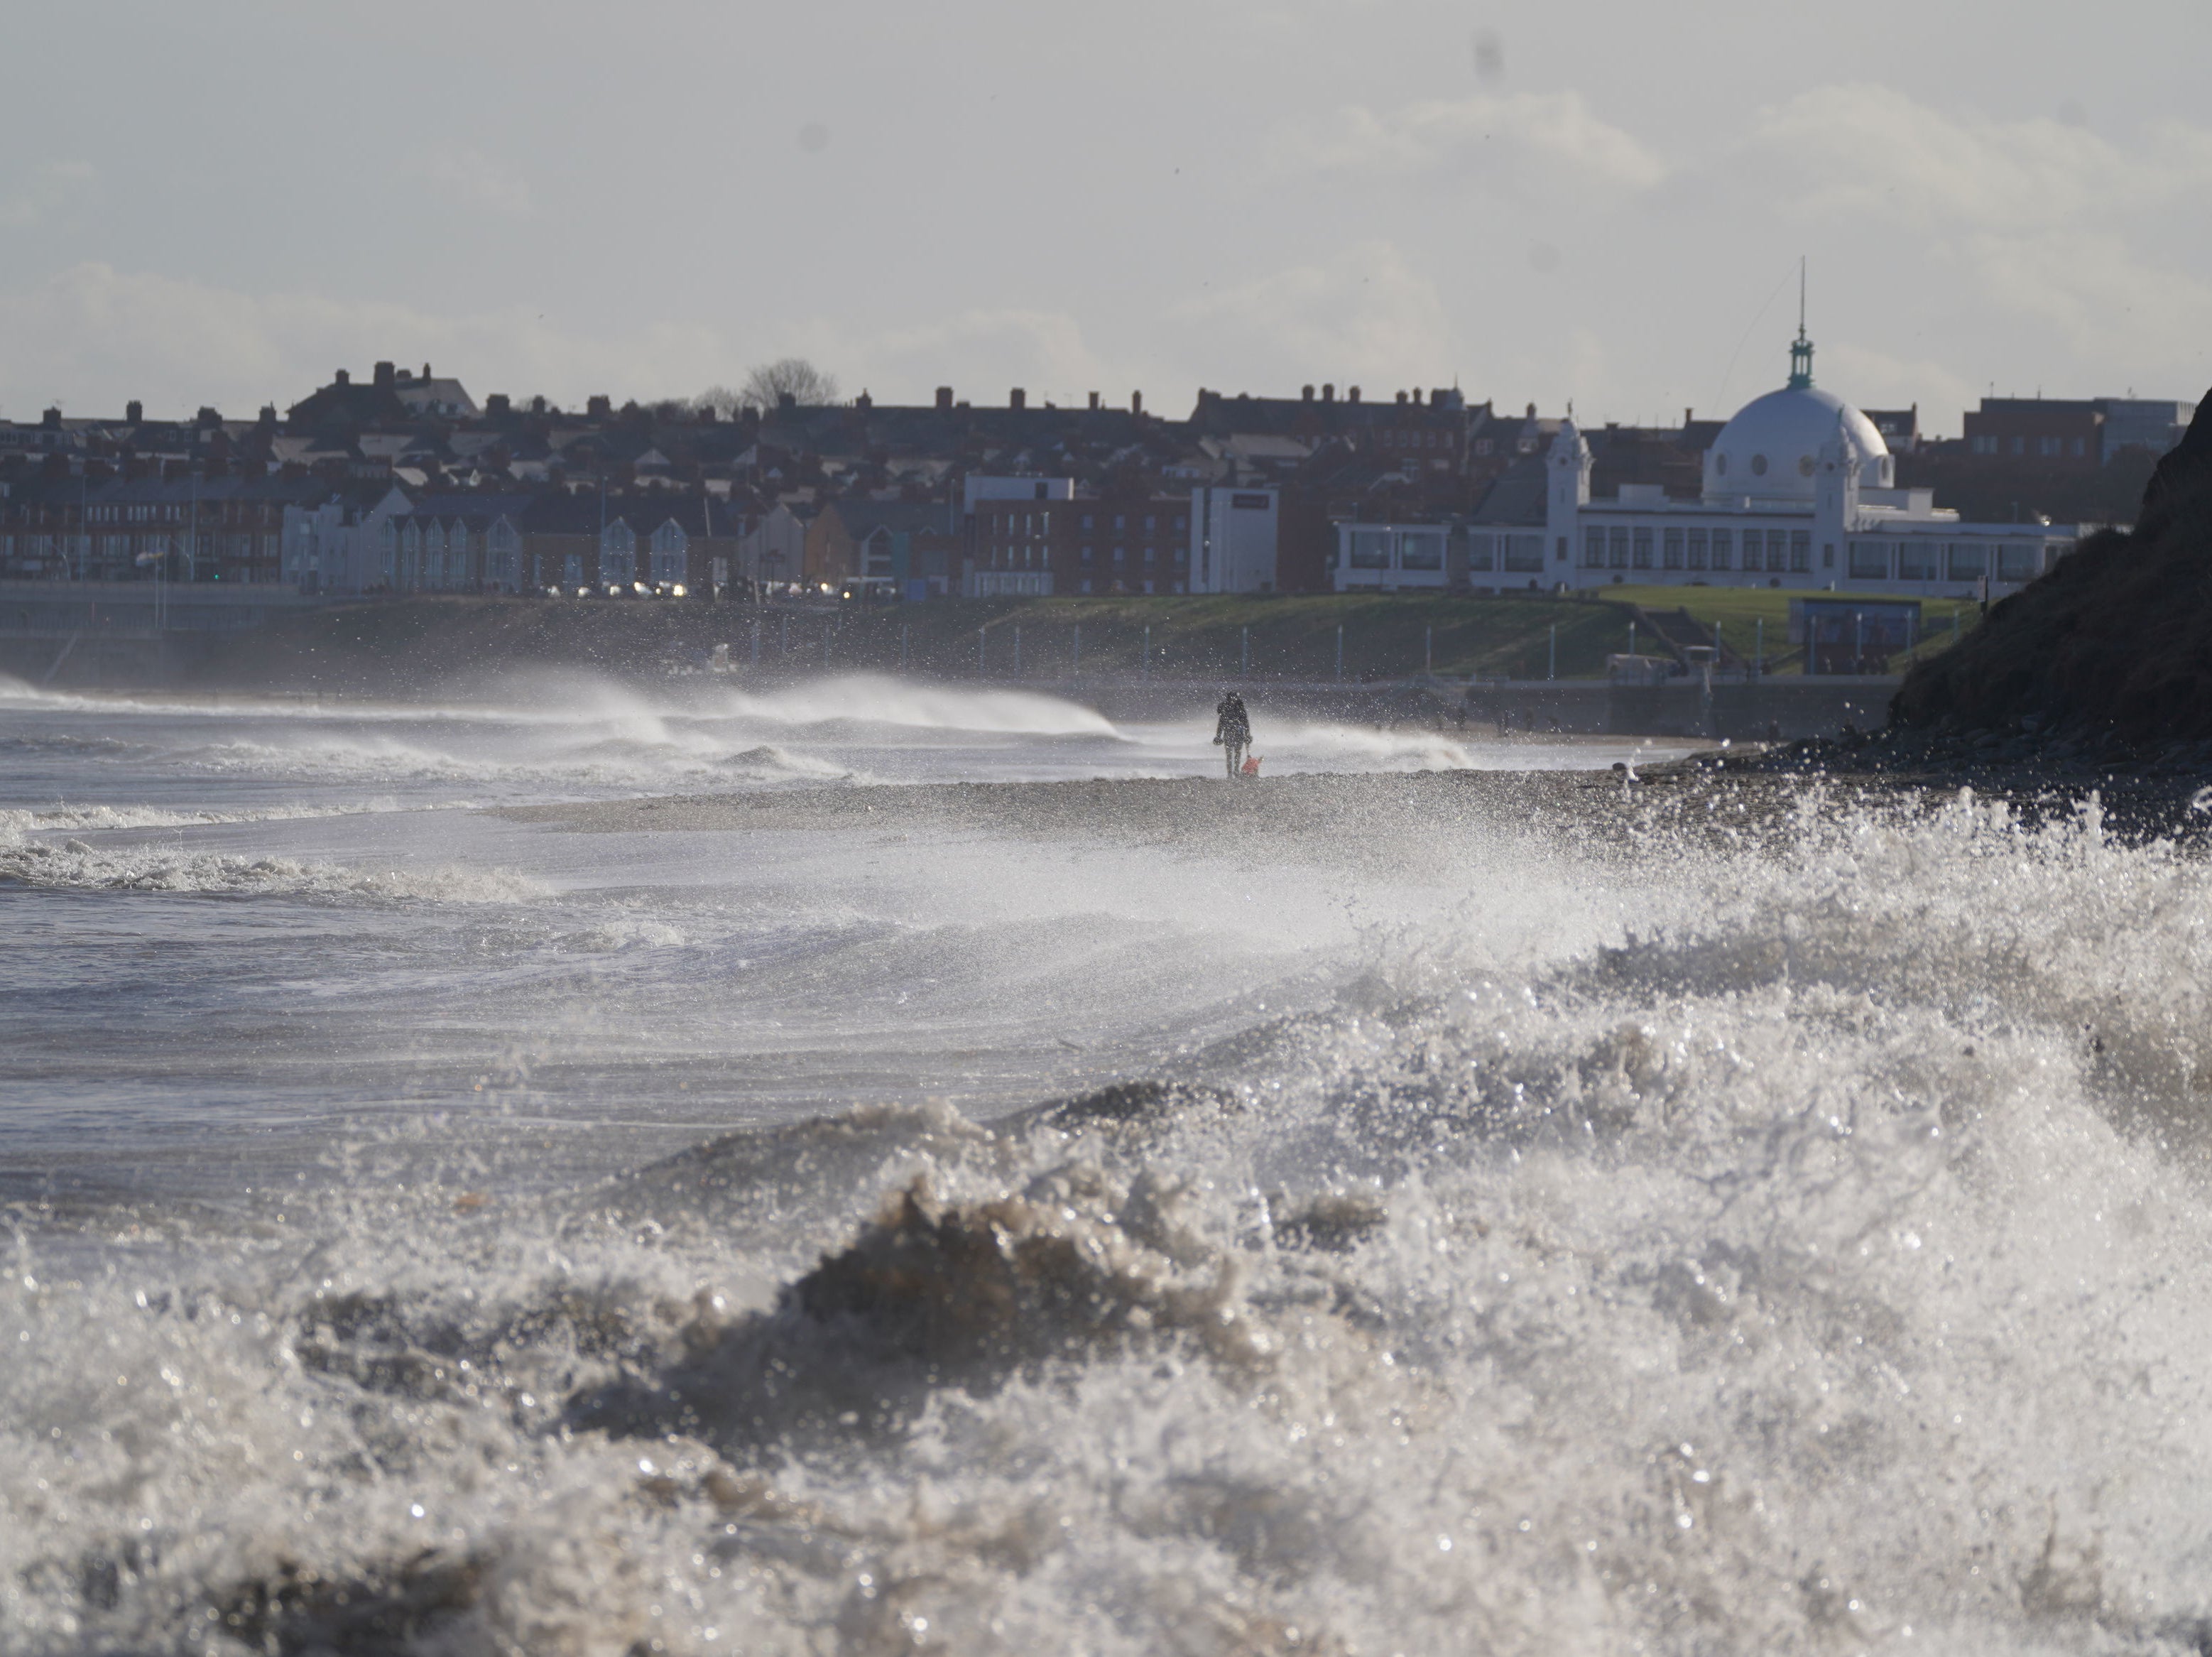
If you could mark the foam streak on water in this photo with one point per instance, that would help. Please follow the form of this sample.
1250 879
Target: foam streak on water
478 1237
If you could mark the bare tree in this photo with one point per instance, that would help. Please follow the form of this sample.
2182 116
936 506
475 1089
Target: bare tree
720 398
792 377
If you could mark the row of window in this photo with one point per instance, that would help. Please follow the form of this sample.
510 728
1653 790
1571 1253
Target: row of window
2050 449
1011 557
1040 523
1620 546
1396 549
1932 560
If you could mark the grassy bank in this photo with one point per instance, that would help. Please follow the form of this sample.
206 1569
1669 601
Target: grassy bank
384 645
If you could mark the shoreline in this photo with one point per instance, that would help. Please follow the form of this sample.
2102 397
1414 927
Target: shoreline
1367 816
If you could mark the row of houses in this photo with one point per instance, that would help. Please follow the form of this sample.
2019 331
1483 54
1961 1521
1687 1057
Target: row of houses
402 482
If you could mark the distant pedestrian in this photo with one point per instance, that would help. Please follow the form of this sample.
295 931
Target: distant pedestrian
1232 730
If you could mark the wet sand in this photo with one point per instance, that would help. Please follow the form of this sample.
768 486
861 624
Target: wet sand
1336 819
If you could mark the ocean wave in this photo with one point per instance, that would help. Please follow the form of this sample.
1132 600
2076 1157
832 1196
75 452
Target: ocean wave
1824 1259
75 865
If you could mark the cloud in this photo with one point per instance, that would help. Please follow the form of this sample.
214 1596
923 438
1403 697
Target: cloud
1366 312
471 179
1873 150
98 337
1523 139
44 188
2034 221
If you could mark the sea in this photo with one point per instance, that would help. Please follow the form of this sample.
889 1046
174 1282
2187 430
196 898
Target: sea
429 1229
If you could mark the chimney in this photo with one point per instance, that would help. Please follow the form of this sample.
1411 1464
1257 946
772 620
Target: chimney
786 401
1094 402
1305 394
1532 410
537 405
496 406
1016 398
386 376
1136 402
945 397
426 370
267 418
864 402
601 407
1351 394
1402 400
1685 417
134 411
344 378
51 420
1329 392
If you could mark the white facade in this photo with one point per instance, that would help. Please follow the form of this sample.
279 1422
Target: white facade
338 548
1234 534
1799 493
1392 557
977 487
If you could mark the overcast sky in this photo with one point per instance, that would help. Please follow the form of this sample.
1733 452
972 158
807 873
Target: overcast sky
1602 201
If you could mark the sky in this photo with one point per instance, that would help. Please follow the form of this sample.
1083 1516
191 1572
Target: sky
1602 203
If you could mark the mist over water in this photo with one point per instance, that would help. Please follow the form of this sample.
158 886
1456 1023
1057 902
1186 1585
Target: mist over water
433 1231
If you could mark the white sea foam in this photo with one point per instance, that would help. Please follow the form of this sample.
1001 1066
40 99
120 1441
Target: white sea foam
1819 1261
77 865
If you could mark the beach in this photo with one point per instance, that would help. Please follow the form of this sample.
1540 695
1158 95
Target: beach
895 1169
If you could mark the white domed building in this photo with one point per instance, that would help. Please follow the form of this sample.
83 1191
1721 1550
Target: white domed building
1799 491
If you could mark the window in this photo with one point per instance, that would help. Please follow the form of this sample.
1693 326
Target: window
1670 549
1869 561
1643 547
1616 548
2019 446
1524 554
1090 521
1916 561
1723 553
1120 554
1827 555
1964 561
1421 550
1087 557
1148 587
1371 548
1085 586
1121 521
1151 555
1183 555
1592 548
2018 563
1801 551
1150 521
2050 445
1697 549
1480 550
1181 522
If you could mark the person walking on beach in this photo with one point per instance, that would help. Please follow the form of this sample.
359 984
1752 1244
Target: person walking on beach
1232 730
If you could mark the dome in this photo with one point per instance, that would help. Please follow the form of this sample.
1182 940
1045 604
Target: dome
1772 447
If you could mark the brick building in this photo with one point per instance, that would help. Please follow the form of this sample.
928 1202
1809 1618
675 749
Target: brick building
1134 542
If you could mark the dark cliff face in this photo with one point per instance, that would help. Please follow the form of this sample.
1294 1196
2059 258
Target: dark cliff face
2115 642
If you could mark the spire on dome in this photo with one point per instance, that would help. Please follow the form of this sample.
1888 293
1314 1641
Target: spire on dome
1801 349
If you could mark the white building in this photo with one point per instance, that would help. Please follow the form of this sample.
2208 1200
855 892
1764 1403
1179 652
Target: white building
341 546
1234 534
1799 492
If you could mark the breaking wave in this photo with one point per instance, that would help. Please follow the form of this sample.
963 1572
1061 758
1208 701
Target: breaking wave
1819 1261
